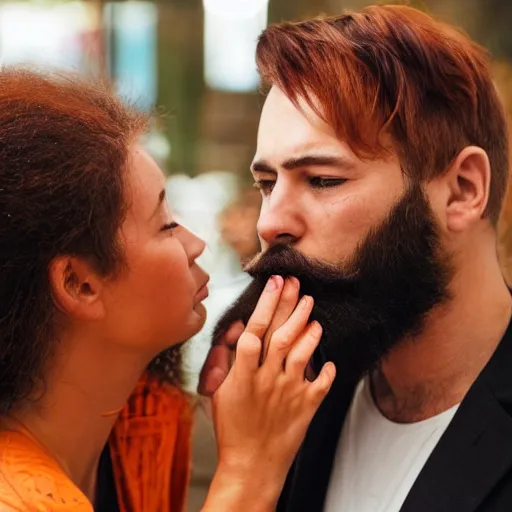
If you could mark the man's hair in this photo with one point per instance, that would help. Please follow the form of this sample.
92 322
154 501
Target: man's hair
393 69
64 146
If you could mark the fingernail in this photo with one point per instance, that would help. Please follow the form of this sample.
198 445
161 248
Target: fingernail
305 301
273 283
316 327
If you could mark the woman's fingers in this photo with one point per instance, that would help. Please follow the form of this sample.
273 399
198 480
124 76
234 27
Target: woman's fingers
265 308
286 306
248 351
215 370
261 410
302 351
318 389
219 361
288 335
233 334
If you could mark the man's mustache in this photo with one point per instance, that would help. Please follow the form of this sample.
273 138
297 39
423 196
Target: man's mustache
315 277
318 279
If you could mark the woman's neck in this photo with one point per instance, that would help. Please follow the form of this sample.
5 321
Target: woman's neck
85 390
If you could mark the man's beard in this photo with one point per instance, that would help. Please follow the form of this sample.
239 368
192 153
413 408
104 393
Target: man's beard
367 306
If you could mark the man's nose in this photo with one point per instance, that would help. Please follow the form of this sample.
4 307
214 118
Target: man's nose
281 218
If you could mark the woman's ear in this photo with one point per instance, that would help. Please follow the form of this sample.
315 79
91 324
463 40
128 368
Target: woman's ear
76 288
468 180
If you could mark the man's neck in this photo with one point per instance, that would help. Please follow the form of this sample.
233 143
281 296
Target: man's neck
432 372
85 391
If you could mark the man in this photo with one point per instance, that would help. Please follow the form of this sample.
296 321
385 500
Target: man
382 158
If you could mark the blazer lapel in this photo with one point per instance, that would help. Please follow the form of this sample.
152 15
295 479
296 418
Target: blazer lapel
476 450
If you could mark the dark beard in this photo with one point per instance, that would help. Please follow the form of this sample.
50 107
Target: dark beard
383 295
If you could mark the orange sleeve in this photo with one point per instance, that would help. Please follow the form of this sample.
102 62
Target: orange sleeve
182 461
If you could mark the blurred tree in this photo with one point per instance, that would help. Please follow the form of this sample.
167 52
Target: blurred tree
284 10
494 27
180 84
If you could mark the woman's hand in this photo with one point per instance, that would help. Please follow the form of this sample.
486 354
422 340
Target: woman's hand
262 410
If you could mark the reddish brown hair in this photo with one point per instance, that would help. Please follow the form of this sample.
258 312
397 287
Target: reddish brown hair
64 145
396 70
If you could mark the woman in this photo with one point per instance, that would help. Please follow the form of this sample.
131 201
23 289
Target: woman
96 281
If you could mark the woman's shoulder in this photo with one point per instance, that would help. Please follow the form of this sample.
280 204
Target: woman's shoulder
30 480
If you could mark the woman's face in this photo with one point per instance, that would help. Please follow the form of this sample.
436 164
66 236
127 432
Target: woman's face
156 299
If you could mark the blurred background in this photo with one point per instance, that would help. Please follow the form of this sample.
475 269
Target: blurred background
193 61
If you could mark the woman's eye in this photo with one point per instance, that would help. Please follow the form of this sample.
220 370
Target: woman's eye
170 226
265 186
318 182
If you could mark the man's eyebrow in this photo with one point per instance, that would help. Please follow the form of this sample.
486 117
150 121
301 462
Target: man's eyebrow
305 161
262 166
318 161
161 199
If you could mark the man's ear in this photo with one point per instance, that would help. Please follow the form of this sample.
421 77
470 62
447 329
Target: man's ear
76 288
468 180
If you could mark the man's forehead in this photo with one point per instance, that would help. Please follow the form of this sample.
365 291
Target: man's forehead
279 110
290 131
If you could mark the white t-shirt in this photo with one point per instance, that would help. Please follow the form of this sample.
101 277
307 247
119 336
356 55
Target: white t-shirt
377 460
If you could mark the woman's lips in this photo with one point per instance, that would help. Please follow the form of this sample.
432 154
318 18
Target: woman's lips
202 293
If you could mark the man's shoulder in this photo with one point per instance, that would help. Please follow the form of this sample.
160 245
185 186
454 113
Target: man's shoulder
30 480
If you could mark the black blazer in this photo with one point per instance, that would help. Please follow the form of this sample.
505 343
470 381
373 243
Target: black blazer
470 469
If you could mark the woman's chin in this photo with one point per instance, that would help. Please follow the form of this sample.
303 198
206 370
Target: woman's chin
200 311
196 322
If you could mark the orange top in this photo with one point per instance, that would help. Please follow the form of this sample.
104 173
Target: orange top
31 480
150 447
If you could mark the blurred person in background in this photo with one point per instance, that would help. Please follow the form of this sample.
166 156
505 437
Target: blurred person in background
238 225
383 160
97 283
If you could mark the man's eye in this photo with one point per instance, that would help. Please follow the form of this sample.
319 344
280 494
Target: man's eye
265 186
319 183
